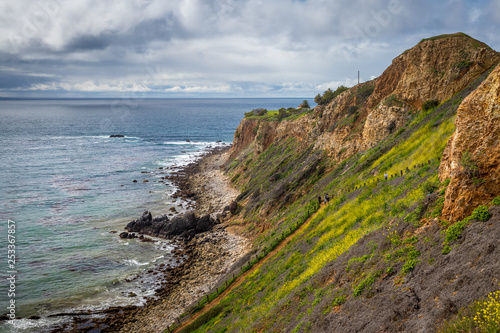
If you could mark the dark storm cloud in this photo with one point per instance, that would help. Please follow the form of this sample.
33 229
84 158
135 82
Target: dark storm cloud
225 47
12 80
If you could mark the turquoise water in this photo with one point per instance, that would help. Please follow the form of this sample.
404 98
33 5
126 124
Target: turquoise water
67 185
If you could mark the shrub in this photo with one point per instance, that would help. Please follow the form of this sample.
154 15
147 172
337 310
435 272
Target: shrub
455 231
409 266
329 95
256 112
468 164
496 201
481 213
438 209
392 100
339 300
354 260
305 104
282 114
364 92
430 104
370 279
352 109
464 64
429 187
446 249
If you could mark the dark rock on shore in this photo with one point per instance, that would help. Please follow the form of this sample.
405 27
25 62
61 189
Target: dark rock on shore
117 136
127 235
185 226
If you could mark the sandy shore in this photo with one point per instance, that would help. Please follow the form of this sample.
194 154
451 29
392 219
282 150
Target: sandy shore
206 183
208 257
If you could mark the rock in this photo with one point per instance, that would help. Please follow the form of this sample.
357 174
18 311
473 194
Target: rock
117 136
113 232
124 235
185 225
34 317
472 152
134 181
132 294
274 177
233 207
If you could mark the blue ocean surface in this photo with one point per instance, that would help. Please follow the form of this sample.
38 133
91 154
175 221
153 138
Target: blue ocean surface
66 185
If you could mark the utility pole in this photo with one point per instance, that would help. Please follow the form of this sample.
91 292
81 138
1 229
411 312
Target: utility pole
358 77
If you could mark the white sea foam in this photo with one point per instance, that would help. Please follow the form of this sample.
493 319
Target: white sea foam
133 262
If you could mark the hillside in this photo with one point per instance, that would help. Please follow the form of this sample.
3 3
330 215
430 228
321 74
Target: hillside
402 254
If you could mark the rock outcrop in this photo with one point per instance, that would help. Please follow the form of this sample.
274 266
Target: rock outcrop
435 69
472 156
186 225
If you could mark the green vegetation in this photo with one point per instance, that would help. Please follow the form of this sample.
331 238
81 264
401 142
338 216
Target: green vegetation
259 112
366 283
409 266
455 231
481 213
392 100
339 300
430 104
469 166
496 201
329 95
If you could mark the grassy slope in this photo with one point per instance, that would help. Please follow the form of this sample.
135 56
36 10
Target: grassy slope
284 294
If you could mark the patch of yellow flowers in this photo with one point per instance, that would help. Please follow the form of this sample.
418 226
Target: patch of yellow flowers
487 317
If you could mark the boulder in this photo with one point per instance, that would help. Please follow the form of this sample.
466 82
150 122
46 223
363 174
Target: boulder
233 207
186 225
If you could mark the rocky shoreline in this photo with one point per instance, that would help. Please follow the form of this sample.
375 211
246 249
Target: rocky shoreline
204 257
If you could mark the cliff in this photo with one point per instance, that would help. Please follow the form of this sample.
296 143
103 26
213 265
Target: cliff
435 69
472 157
402 158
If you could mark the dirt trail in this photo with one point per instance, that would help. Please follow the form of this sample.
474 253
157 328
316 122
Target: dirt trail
242 277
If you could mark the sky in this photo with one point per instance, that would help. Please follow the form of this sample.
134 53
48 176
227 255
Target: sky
217 48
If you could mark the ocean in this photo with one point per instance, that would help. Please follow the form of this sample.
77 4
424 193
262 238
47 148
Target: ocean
67 185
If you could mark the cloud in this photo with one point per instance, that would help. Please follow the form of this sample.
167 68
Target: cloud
219 47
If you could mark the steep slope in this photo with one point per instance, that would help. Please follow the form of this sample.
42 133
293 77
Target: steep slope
363 263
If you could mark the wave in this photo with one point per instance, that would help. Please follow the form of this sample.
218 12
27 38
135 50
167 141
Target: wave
195 143
133 262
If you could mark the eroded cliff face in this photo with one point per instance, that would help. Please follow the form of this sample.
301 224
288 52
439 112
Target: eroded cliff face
472 156
436 68
359 118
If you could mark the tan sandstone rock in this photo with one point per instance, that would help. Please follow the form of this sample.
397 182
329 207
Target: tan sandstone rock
475 144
